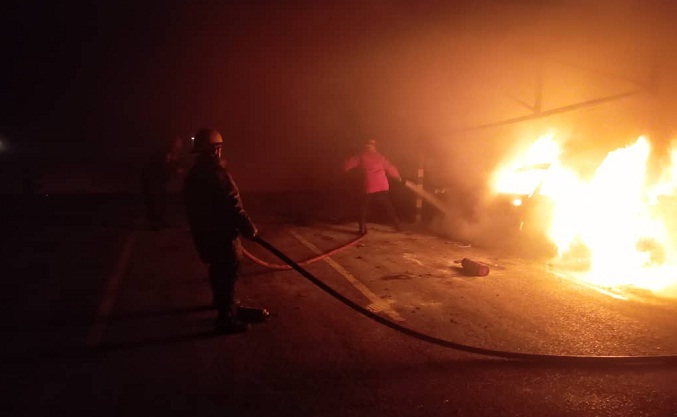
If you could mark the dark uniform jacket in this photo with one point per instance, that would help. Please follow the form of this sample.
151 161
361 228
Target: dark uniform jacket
214 208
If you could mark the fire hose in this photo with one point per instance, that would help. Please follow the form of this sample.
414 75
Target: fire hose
410 185
306 262
530 357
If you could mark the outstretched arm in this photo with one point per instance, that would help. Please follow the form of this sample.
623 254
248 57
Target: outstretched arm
351 163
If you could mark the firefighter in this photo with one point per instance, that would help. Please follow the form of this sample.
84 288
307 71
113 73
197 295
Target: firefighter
375 169
159 169
217 217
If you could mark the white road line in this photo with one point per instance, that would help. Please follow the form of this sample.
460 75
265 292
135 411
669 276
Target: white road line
377 304
98 329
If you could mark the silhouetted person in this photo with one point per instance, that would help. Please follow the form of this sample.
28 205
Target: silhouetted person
158 170
375 169
217 218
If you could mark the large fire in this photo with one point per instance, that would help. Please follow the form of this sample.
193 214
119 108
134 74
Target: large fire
618 220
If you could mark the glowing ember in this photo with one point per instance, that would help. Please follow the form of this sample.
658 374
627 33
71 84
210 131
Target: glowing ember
614 220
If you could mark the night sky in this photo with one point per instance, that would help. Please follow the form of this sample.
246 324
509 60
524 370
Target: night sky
295 86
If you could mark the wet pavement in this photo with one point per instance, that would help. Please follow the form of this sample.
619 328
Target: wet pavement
105 318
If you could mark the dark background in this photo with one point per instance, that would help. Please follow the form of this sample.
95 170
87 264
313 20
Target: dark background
296 86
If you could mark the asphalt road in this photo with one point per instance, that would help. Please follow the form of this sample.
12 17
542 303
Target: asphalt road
103 318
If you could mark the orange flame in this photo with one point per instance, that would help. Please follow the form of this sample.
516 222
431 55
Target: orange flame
616 217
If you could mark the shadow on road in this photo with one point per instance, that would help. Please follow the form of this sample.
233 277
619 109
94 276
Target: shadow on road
155 341
159 313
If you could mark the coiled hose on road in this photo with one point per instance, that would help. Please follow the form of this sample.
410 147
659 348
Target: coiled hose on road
532 357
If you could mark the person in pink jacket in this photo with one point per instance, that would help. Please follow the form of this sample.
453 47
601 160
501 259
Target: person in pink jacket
375 170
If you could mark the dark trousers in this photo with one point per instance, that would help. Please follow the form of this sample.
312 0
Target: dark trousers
381 199
224 269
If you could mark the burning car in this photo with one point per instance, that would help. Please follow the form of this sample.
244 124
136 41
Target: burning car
616 225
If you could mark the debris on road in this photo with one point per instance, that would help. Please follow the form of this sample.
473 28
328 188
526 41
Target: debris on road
474 268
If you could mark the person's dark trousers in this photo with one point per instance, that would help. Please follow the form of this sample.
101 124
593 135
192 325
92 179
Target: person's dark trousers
223 272
381 199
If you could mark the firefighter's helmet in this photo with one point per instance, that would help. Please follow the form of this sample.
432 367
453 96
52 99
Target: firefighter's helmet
206 140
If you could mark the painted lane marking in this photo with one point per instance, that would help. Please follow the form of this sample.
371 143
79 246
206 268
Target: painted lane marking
98 328
377 304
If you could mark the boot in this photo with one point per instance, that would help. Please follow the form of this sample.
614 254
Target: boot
252 314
